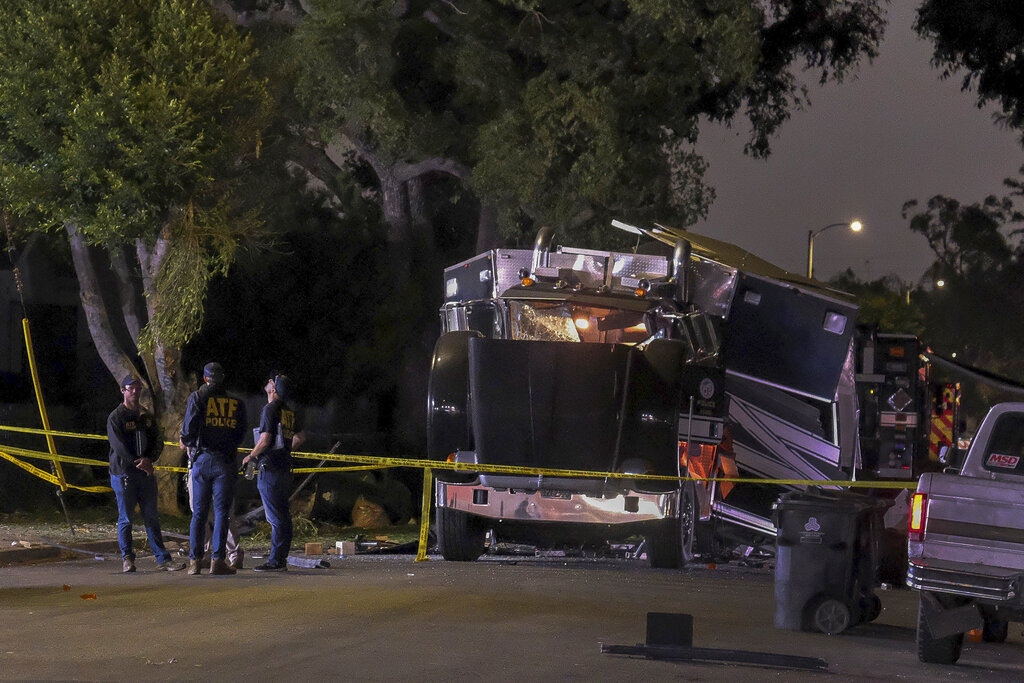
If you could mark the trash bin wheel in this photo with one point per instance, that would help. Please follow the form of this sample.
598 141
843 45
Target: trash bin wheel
870 607
829 615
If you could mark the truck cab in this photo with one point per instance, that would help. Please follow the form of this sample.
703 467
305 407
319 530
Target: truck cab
562 359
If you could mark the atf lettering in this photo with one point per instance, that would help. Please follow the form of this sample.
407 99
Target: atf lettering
287 424
220 406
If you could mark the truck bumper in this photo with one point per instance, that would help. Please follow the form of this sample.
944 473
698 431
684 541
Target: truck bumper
992 585
556 506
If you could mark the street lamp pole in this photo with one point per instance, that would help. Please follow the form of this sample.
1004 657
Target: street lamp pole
811 234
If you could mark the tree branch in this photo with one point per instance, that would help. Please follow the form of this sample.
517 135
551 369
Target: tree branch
127 293
117 362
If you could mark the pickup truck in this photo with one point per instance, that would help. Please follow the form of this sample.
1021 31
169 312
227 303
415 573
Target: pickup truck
966 541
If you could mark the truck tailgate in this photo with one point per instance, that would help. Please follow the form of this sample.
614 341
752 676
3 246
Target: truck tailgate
972 521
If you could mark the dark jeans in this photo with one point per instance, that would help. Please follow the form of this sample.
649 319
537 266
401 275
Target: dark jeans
137 488
213 477
275 486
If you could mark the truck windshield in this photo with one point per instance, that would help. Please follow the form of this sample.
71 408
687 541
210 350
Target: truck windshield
564 321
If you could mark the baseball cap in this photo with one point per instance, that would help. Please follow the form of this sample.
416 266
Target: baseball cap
283 385
214 372
128 379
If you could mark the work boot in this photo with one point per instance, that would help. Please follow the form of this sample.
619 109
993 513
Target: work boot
194 567
128 566
220 567
170 566
236 563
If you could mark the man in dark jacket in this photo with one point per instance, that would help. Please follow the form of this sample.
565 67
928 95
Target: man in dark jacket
280 432
135 442
214 426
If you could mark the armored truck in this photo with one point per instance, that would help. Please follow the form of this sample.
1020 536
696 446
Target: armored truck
688 358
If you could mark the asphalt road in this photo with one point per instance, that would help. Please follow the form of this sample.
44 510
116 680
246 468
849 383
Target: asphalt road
390 618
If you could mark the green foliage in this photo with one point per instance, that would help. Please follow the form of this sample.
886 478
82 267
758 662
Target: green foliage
569 112
884 303
132 120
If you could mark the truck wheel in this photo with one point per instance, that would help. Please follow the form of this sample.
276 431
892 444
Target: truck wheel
830 615
460 536
936 650
995 630
671 547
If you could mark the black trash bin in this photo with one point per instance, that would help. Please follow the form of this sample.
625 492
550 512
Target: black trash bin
826 564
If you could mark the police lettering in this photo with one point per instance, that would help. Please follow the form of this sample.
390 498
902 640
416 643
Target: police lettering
220 412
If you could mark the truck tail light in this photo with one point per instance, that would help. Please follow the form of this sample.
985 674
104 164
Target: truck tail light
918 516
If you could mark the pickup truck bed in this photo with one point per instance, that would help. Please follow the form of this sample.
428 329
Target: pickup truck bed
966 543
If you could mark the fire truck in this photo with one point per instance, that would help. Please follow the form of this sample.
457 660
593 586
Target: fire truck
687 358
906 417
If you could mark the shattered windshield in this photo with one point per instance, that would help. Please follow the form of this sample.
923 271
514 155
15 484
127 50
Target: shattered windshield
564 321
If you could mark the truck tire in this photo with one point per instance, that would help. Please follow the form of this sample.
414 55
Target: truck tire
936 650
672 545
460 536
995 630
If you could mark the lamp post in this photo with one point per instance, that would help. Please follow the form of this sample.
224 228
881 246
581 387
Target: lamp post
811 234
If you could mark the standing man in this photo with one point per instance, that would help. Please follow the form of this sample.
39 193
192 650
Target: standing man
211 432
135 442
280 432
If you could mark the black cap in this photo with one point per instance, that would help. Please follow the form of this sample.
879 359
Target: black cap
128 379
214 372
283 385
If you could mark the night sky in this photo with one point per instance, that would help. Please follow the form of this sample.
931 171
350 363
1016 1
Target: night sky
860 150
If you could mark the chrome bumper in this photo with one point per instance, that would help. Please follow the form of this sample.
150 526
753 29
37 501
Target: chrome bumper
555 506
992 584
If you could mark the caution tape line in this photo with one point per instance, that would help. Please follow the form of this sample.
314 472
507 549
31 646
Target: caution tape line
376 462
52 432
39 455
51 478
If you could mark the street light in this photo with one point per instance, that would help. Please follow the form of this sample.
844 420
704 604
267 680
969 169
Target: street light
811 234
911 288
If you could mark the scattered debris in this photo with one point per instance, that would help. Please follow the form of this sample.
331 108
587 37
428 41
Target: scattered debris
88 596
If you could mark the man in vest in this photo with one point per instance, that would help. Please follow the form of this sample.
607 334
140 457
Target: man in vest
280 432
214 425
135 442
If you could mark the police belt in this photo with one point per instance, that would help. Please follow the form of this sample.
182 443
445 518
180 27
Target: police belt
228 457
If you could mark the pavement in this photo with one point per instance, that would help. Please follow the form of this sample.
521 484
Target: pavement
389 617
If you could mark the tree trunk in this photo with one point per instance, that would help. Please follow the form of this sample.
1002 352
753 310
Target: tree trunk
166 361
487 229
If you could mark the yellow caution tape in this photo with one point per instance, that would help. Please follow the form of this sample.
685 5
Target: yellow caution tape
51 478
377 462
53 432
